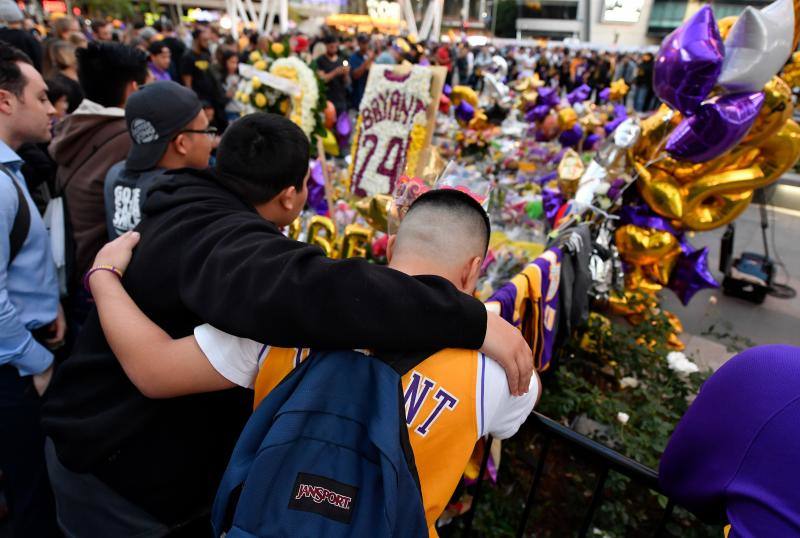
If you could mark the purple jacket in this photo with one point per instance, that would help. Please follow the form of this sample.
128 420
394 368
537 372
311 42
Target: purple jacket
735 455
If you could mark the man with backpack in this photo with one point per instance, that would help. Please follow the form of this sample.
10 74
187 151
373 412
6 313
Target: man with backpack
31 319
451 397
169 130
212 251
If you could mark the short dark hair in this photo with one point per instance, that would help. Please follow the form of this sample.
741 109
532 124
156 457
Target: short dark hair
157 47
11 77
99 23
260 155
56 89
105 69
455 200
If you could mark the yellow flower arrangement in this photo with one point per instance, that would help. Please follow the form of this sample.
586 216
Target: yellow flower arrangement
261 65
255 56
354 145
256 83
417 140
246 98
260 100
277 48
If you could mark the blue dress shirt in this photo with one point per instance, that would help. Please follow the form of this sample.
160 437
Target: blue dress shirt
29 286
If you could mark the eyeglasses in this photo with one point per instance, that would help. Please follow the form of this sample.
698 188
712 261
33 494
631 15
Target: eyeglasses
210 131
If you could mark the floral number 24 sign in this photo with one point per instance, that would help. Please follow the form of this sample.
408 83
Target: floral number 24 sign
392 128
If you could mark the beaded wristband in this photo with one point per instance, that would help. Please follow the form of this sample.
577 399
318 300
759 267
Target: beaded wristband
109 268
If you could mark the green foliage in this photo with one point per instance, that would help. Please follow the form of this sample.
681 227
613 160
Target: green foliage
586 386
506 25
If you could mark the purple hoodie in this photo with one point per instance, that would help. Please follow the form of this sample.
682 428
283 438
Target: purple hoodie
735 455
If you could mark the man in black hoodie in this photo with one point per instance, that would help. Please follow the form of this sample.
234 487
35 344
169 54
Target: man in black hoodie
207 256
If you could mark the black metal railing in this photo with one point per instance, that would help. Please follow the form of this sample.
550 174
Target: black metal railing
603 459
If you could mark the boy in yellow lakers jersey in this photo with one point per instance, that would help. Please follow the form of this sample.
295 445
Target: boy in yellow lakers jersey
452 398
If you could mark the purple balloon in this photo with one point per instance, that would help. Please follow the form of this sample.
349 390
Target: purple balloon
447 90
605 94
464 111
590 142
579 94
316 190
691 275
537 113
343 129
718 125
615 189
548 96
571 137
689 62
620 115
552 201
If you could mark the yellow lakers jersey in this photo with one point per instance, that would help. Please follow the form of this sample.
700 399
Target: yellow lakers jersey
444 414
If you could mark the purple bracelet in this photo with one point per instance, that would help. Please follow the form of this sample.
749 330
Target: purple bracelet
109 268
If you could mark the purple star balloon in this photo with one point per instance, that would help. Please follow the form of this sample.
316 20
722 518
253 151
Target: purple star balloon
718 125
689 62
579 94
691 275
548 96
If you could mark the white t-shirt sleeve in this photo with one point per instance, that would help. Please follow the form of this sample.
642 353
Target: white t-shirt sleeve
236 359
502 413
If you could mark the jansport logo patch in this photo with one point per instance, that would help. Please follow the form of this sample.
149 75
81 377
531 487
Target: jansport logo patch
323 496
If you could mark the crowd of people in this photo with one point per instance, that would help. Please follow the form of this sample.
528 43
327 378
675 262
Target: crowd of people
114 130
120 405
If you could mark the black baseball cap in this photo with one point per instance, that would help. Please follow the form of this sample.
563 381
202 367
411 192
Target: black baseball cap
155 115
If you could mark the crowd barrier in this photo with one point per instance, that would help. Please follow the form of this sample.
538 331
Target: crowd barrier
604 459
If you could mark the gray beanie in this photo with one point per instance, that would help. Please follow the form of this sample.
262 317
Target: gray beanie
10 12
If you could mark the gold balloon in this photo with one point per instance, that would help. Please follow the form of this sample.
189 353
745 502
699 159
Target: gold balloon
791 72
644 246
294 228
655 130
567 117
780 152
322 232
717 199
618 90
661 271
777 109
725 24
330 144
463 93
375 209
796 39
661 192
356 241
570 170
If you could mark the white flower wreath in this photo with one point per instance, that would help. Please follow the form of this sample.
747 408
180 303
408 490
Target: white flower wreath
303 105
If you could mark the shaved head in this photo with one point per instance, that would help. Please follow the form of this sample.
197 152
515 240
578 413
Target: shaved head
446 228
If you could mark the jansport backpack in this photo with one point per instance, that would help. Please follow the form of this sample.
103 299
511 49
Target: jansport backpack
325 454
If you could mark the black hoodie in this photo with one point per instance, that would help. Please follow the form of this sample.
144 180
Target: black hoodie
207 257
